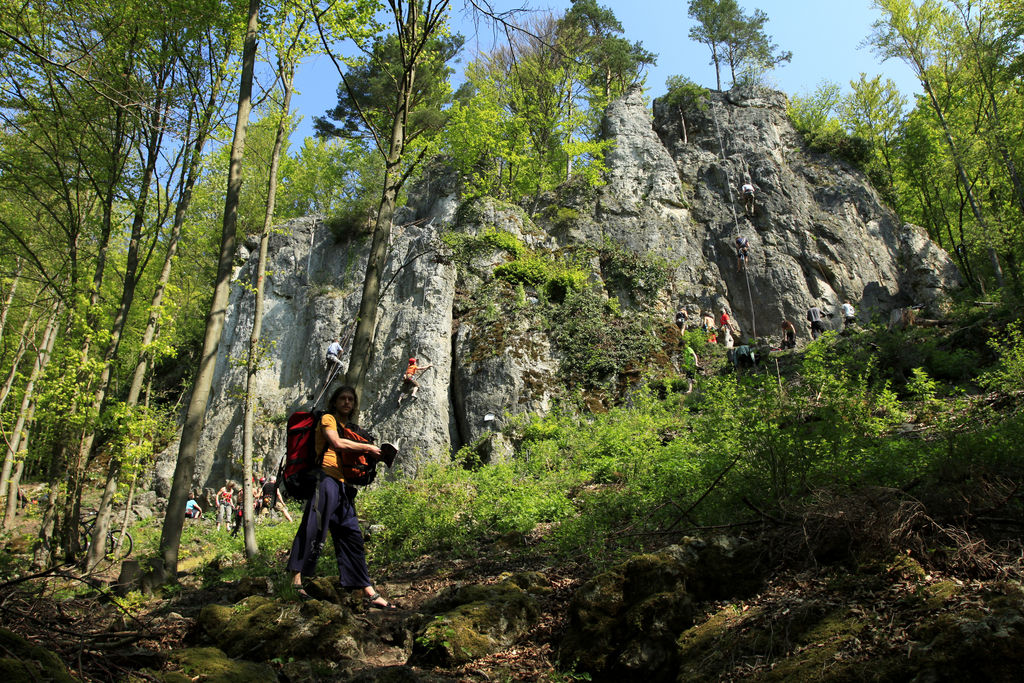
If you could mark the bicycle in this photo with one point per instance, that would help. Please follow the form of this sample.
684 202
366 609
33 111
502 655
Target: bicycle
113 550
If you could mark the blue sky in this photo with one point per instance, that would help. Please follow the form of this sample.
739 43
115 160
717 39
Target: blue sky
825 38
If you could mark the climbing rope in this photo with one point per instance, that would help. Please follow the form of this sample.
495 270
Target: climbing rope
735 218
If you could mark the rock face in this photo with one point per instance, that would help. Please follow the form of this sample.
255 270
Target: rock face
819 235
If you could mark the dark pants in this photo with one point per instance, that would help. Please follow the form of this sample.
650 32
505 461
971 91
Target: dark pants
331 509
817 327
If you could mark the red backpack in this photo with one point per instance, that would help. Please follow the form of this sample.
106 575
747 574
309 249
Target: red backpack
300 466
357 468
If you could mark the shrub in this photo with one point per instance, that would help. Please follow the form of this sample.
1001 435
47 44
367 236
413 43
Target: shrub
1008 375
596 346
832 139
643 275
685 94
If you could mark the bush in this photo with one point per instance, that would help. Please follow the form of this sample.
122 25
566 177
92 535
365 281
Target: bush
832 139
642 275
1008 376
595 346
685 94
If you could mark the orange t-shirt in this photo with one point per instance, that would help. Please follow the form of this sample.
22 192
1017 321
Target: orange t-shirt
332 468
410 371
333 462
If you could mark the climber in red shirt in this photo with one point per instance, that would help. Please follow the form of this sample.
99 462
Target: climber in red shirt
409 382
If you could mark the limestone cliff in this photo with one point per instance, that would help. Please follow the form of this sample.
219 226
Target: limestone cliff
819 234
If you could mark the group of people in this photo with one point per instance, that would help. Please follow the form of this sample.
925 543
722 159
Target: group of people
228 500
815 317
724 326
728 332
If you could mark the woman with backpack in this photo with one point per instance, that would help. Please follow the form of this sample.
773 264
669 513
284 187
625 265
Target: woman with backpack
332 507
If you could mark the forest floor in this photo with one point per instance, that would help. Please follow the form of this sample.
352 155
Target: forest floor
884 619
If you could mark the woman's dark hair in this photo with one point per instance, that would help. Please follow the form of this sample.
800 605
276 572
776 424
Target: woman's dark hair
338 392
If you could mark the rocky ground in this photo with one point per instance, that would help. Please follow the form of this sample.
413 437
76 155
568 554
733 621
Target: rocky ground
869 587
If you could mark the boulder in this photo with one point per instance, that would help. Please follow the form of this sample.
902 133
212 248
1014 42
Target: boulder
21 660
624 623
261 629
211 665
465 623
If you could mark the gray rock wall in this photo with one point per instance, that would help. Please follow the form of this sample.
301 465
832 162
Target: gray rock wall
819 234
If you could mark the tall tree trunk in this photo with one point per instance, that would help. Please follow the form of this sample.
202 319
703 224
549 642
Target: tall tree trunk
5 309
19 353
27 400
170 537
191 172
132 275
362 342
11 508
287 72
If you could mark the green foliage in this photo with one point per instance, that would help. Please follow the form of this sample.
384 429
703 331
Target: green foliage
596 347
465 247
685 94
734 39
562 216
642 275
556 280
598 485
832 139
1008 375
528 118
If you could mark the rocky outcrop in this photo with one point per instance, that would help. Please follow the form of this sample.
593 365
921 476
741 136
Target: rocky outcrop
469 622
624 623
819 235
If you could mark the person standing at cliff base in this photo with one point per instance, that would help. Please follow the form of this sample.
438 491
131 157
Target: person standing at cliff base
225 504
690 366
788 335
849 315
681 319
814 317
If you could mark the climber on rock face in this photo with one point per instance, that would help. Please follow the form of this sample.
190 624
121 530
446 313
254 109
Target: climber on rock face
748 198
409 379
334 353
742 253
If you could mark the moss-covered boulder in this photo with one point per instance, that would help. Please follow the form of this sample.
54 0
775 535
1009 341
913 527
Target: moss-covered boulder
462 624
624 624
211 665
261 629
981 643
21 660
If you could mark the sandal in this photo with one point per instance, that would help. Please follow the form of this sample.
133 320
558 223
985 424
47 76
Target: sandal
371 602
301 592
